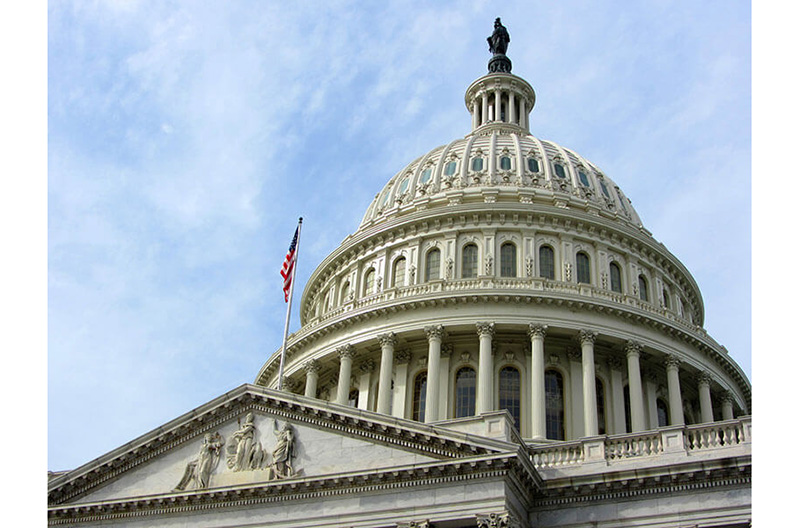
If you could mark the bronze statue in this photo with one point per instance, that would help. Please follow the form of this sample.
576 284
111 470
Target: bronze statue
498 42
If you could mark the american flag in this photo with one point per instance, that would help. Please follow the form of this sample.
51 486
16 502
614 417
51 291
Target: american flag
288 265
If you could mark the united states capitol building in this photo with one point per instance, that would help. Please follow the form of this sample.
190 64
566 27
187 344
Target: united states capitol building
501 343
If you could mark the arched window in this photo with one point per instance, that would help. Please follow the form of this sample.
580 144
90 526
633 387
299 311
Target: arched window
399 273
477 164
469 261
505 163
665 297
601 406
643 288
547 262
345 292
582 268
450 168
418 405
508 260
352 398
615 274
626 395
369 282
663 412
554 404
465 392
510 392
433 265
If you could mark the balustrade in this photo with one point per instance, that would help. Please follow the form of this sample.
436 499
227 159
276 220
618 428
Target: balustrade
633 446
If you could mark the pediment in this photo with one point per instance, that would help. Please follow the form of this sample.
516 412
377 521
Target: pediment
253 436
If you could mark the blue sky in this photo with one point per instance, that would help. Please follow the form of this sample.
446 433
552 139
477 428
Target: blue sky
186 138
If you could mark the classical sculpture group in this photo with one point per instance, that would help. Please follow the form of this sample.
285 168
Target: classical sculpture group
244 453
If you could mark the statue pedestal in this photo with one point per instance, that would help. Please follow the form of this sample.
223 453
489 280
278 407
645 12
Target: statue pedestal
499 63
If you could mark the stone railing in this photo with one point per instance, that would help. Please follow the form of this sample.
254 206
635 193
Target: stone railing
716 437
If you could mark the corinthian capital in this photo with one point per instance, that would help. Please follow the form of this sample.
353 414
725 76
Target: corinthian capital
632 347
704 378
587 337
485 329
672 362
312 365
346 351
389 339
434 332
537 330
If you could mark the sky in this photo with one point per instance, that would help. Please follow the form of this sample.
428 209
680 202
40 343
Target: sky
185 138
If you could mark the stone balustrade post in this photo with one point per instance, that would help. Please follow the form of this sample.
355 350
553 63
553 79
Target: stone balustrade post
435 334
674 389
633 351
587 338
312 368
387 341
704 390
536 333
485 367
346 354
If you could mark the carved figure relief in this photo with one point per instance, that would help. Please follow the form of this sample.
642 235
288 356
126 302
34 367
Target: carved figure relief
244 451
198 471
284 451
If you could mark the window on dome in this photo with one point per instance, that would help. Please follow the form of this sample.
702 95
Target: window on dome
399 272
426 175
418 403
601 406
583 179
582 268
450 168
663 412
665 297
559 170
433 262
604 189
554 404
369 282
622 202
469 261
505 163
403 185
477 164
533 165
615 274
465 392
385 199
509 393
643 288
547 264
508 260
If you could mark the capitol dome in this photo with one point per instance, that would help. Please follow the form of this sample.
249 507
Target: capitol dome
506 272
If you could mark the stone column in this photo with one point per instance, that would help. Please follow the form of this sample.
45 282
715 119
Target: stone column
346 354
476 116
364 380
485 368
444 378
484 109
633 351
617 396
704 389
523 115
387 341
587 338
498 103
651 396
538 421
674 388
312 368
435 334
511 108
576 393
402 357
727 406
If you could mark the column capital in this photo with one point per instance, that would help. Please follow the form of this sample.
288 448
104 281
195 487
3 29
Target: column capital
574 354
496 520
704 378
587 337
727 397
415 524
346 351
614 363
367 366
289 384
447 350
434 332
402 356
672 362
388 339
312 365
485 329
537 330
633 348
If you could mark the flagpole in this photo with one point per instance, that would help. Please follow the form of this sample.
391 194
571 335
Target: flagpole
289 307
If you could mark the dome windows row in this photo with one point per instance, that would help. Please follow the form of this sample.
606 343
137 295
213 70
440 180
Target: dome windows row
547 260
